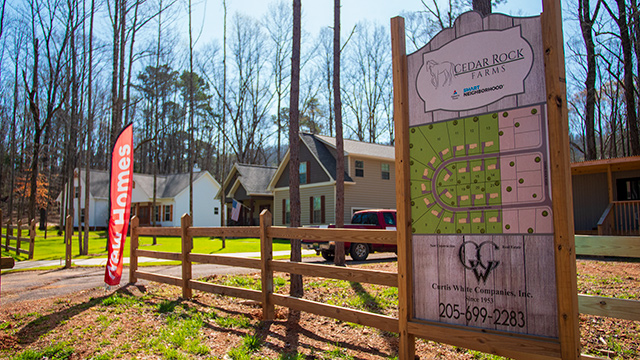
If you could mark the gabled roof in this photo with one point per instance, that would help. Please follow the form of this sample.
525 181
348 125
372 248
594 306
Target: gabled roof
254 178
99 183
325 157
353 147
168 186
323 149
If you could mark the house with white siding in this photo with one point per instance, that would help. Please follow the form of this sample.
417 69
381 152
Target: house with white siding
172 199
369 180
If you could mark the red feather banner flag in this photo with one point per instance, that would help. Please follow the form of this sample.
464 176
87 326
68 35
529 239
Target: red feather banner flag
119 203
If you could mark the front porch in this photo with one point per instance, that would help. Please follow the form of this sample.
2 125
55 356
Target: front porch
606 196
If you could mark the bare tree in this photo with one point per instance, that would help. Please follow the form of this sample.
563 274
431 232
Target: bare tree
278 23
90 114
482 6
586 26
369 80
54 52
629 87
294 148
250 97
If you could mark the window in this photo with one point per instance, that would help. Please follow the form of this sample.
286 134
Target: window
359 168
287 212
82 216
389 219
157 213
304 175
76 192
367 218
215 211
385 171
370 219
628 189
316 214
168 213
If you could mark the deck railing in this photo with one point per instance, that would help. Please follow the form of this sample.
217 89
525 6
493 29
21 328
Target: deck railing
620 218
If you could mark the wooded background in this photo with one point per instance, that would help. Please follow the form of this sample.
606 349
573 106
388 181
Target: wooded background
73 72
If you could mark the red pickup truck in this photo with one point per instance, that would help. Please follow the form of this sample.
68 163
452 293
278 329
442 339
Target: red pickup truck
365 219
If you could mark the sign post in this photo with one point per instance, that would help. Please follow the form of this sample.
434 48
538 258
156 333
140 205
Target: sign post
486 257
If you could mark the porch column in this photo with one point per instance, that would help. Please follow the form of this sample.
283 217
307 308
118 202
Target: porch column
610 183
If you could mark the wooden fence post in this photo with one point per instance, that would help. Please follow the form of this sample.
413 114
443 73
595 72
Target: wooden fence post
187 245
8 234
68 234
19 239
562 201
266 255
133 256
32 238
407 346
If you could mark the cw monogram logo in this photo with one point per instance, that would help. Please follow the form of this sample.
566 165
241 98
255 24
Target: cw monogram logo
474 261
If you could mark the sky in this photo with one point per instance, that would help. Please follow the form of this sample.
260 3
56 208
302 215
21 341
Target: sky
317 14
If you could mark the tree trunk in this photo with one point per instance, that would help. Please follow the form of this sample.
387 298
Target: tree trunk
294 148
87 203
115 119
223 203
586 27
191 110
629 87
339 258
13 135
482 6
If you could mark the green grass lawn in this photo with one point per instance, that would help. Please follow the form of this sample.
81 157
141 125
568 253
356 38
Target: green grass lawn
52 248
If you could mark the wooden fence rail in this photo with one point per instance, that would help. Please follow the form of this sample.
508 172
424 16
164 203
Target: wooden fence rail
618 246
19 240
585 245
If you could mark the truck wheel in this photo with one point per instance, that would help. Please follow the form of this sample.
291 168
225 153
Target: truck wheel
359 252
327 255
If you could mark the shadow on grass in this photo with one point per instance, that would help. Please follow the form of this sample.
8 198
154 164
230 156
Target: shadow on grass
32 331
296 330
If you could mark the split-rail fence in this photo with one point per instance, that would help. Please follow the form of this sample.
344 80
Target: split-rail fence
585 245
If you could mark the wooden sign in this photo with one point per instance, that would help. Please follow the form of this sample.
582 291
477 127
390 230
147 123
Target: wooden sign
481 212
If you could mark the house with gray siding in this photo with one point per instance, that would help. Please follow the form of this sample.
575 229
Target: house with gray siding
606 196
248 185
369 180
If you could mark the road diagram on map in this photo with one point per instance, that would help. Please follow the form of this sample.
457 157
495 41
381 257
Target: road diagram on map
482 174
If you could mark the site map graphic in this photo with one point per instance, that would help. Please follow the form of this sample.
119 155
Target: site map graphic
482 174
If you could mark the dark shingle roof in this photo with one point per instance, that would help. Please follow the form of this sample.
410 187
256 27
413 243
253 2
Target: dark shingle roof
353 147
326 157
255 178
167 185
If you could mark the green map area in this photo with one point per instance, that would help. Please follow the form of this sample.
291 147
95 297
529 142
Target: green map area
455 176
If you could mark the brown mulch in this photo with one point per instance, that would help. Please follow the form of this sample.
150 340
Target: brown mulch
92 329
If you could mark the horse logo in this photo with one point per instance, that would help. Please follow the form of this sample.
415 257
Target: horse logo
442 70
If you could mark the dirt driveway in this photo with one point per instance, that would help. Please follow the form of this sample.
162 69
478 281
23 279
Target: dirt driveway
41 284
